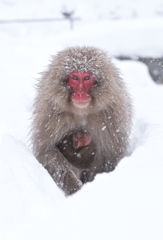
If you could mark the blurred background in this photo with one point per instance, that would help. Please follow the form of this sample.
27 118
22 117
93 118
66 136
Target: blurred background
128 29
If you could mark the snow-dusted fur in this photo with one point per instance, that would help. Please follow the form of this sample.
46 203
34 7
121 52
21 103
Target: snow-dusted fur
107 119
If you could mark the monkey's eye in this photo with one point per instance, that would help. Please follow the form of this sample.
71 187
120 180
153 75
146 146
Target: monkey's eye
86 78
75 77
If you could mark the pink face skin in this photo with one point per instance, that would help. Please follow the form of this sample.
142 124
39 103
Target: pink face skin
81 83
81 140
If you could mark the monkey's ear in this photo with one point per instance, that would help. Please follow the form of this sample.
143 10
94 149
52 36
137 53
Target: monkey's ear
96 83
64 81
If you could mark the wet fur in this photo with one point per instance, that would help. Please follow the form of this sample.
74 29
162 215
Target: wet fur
107 119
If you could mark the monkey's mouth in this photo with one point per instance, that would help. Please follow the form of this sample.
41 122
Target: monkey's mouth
81 104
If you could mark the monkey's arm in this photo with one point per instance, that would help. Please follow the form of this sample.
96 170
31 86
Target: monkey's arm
60 170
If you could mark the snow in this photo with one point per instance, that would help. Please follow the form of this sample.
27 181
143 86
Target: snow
124 204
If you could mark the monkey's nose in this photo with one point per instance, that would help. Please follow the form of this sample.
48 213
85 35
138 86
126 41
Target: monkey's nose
80 91
80 94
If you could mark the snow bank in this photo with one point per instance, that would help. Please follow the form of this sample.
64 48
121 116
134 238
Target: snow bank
126 203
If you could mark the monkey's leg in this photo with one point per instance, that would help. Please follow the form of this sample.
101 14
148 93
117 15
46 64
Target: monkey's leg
60 170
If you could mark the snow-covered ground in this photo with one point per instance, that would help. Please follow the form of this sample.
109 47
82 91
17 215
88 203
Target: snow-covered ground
125 204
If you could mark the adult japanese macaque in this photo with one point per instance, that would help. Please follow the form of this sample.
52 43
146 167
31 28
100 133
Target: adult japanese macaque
82 117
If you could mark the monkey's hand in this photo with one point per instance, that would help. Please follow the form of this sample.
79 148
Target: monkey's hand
61 172
69 182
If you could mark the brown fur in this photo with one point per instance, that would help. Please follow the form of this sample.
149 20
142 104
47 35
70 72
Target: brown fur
107 119
81 157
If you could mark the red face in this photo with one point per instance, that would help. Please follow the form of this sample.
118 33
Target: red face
81 83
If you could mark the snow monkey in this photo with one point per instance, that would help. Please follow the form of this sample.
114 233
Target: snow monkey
79 150
82 117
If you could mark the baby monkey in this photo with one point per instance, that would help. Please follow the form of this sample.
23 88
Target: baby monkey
79 149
